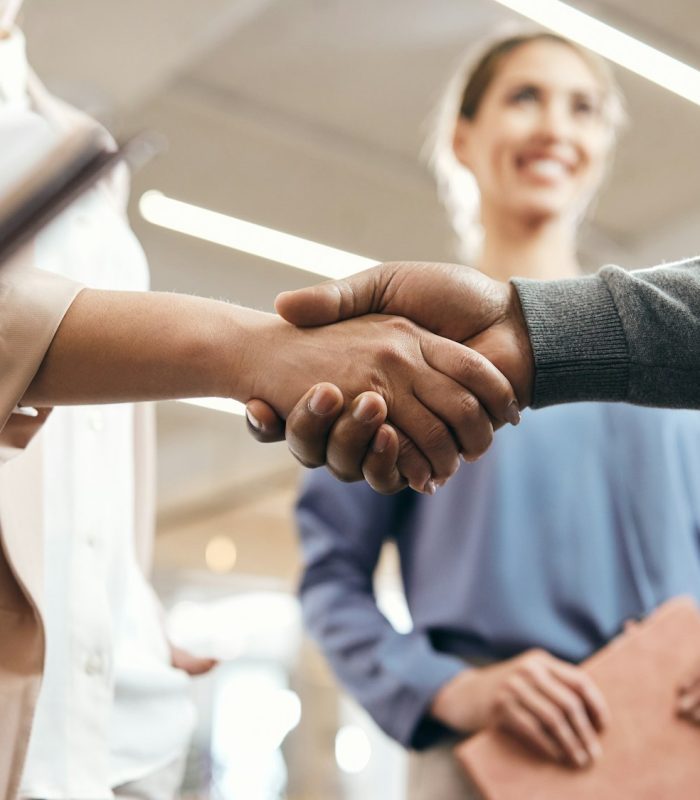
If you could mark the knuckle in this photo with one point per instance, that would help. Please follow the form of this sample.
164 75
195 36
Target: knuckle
407 449
397 330
501 703
554 720
411 463
532 667
390 354
527 660
343 474
478 442
305 461
387 487
437 437
469 405
470 363
573 706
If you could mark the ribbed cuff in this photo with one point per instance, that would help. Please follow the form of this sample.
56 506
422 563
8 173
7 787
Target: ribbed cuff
413 672
577 340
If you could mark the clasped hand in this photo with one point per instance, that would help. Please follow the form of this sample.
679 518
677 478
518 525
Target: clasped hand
441 397
433 421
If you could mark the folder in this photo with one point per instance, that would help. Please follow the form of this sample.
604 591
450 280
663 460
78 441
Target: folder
71 167
649 753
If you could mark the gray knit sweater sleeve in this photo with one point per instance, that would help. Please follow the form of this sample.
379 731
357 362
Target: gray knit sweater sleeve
627 336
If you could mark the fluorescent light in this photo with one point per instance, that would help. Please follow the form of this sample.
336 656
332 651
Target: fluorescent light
176 215
217 404
614 45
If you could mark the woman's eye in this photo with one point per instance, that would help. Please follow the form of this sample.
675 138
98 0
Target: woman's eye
525 95
584 107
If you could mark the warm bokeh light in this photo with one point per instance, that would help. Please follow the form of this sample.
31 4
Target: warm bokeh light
221 554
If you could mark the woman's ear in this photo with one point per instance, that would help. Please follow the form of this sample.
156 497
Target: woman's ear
461 142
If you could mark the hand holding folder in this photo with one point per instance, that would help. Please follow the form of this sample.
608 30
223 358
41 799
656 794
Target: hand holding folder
649 752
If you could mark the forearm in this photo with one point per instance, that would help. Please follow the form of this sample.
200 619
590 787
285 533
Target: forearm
393 676
617 336
131 346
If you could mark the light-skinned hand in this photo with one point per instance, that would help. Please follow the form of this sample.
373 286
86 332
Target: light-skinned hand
548 704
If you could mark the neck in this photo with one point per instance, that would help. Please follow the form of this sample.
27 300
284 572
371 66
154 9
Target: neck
543 249
8 16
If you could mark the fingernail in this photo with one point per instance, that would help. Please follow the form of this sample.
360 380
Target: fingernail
253 421
430 487
364 411
581 758
513 413
381 441
321 402
596 751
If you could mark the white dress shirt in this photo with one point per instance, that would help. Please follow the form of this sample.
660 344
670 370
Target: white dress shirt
111 708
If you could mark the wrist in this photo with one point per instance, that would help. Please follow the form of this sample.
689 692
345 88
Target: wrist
455 704
266 353
241 354
523 368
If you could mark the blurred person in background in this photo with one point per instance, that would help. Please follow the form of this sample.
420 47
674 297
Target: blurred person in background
114 711
113 714
584 517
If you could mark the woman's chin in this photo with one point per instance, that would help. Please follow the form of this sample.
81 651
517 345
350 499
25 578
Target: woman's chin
543 206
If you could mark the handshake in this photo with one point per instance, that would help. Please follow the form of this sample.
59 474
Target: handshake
419 364
411 365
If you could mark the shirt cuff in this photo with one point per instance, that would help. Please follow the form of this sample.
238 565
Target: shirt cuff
32 306
421 671
578 341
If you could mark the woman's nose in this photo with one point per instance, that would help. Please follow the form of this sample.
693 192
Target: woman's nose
555 121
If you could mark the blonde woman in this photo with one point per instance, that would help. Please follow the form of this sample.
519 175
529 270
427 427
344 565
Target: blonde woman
583 517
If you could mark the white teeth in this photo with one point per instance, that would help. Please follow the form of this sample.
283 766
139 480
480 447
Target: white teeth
547 167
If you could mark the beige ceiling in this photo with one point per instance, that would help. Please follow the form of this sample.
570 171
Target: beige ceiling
309 115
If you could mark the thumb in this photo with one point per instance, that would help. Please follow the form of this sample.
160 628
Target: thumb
334 301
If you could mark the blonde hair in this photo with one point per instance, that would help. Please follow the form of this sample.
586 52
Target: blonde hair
457 187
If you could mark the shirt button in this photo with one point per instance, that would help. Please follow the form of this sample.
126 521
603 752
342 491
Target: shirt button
96 421
94 665
91 540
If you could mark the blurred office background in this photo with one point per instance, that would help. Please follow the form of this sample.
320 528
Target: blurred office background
308 116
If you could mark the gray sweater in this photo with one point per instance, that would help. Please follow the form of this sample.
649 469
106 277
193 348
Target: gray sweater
624 336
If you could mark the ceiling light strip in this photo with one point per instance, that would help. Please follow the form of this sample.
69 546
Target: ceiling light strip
224 404
247 237
618 47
